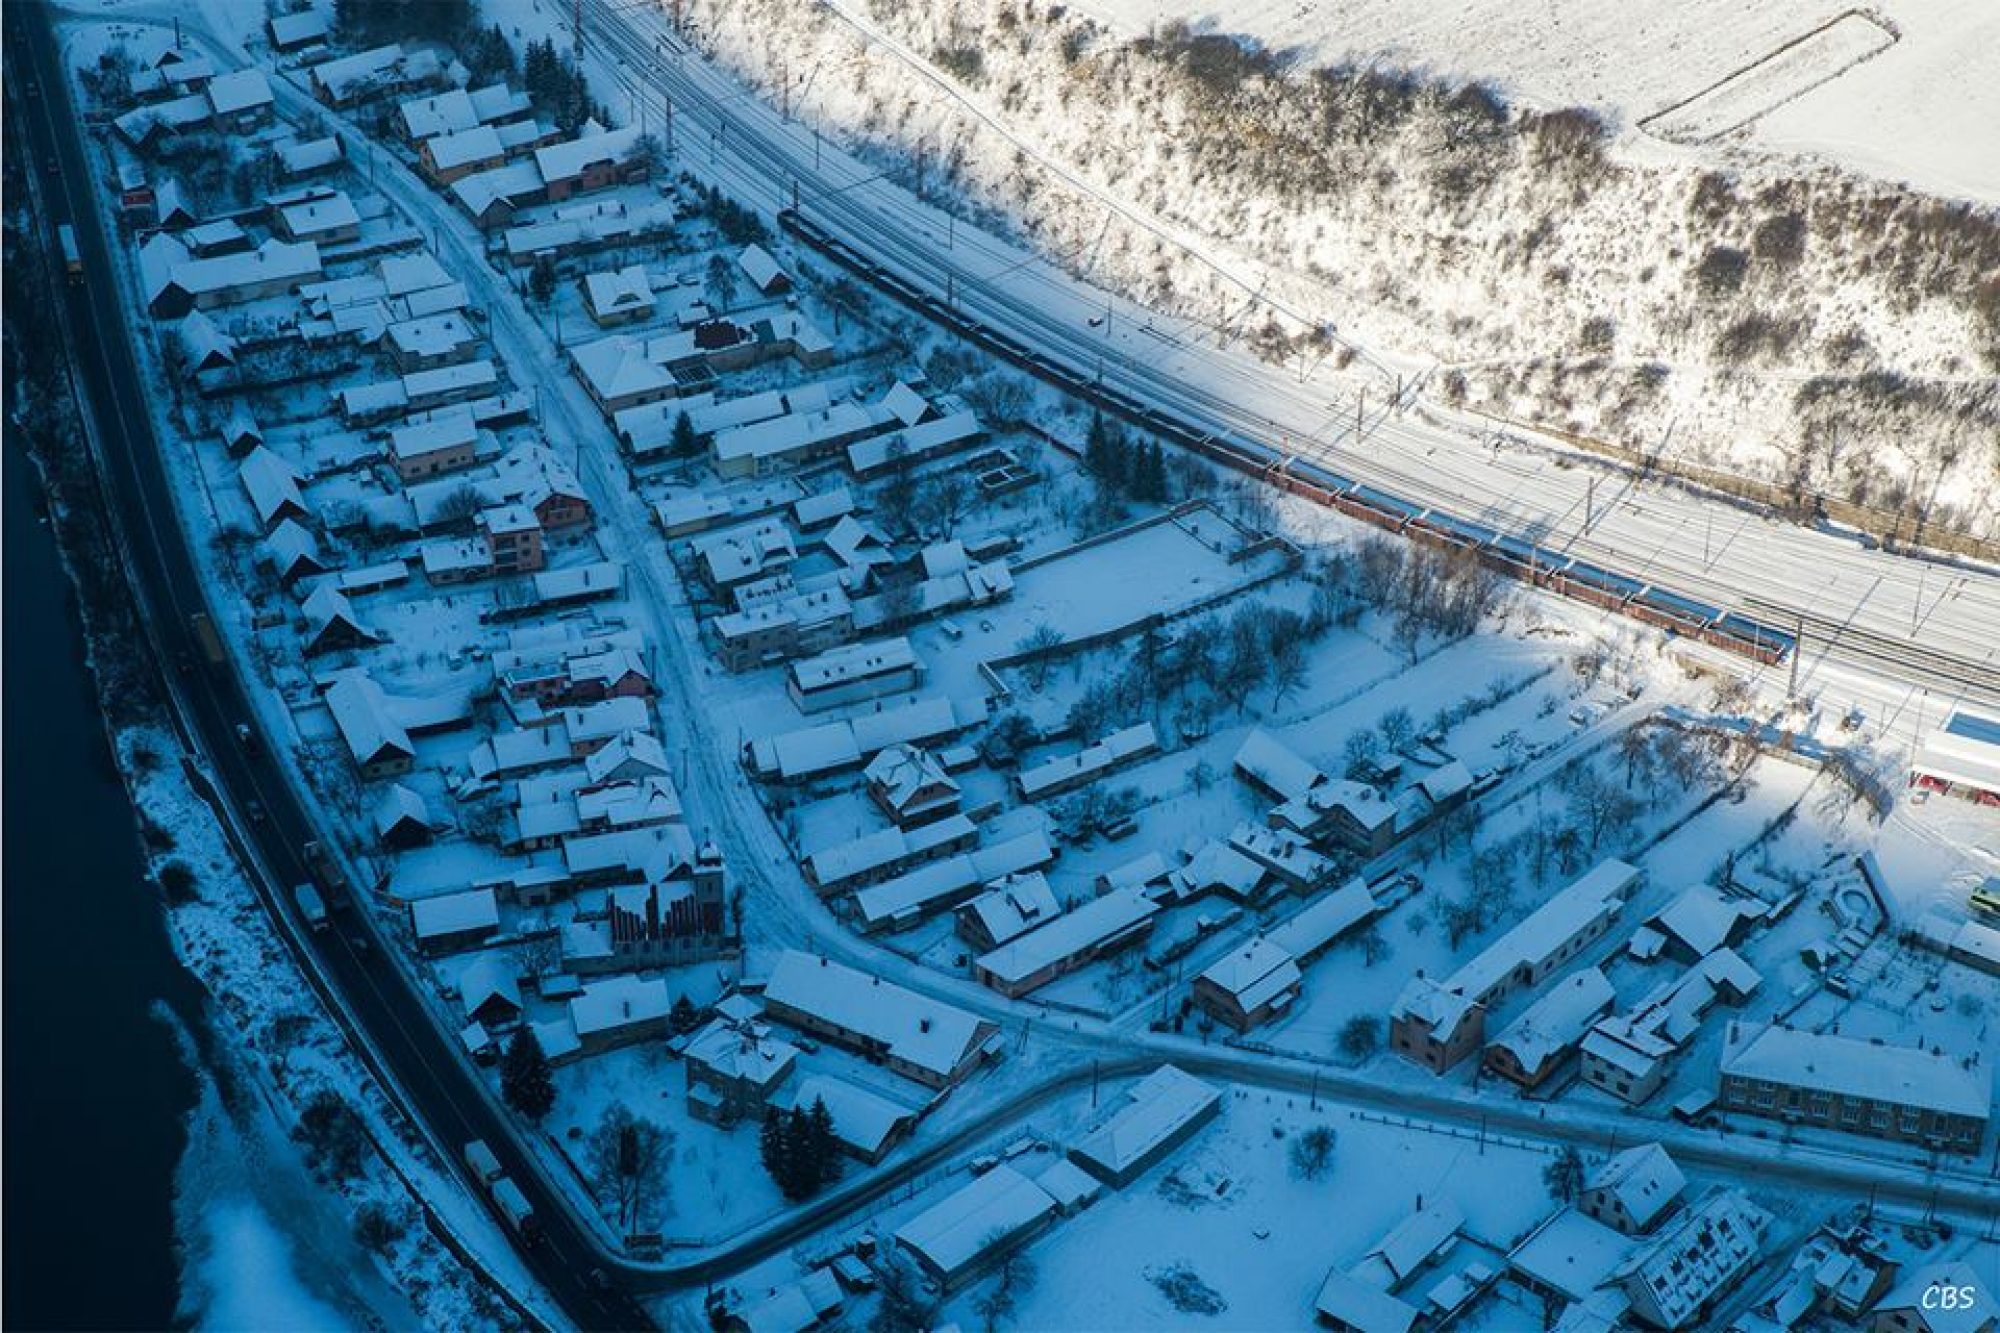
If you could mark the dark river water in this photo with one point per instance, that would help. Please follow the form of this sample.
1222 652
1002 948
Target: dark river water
96 1090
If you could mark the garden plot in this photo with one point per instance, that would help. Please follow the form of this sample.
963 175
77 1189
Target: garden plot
1789 72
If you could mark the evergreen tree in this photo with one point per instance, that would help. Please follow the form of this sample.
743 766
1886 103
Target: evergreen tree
684 1017
825 1147
1101 455
771 1145
684 441
542 280
525 1081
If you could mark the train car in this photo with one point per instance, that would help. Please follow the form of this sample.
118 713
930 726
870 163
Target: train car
1672 611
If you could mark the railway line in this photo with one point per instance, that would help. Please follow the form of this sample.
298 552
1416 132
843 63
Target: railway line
1767 590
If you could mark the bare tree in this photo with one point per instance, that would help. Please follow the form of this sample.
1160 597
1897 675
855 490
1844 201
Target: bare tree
1039 645
1013 1278
626 1155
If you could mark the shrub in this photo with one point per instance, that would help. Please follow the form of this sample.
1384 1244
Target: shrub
1722 271
1780 238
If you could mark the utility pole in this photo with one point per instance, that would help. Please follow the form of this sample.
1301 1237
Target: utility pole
920 168
1360 399
1589 502
785 89
670 126
815 150
1798 651
576 28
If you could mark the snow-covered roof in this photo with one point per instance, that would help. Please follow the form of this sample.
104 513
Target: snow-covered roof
1558 1020
741 1051
300 156
361 712
1013 905
618 367
914 442
453 913
1699 1253
290 30
826 507
1254 974
481 143
915 1029
1122 746
449 112
1271 764
1068 1184
1091 926
938 884
981 1215
618 291
1150 1112
1851 1067
794 432
619 1002
294 549
854 661
272 262
1571 1254
1964 749
1703 919
758 265
1978 1314
807 751
901 774
905 404
449 430
1598 893
863 1118
1644 1181
1325 920
1347 1302
489 976
400 805
565 161
509 183
241 90
1418 1238
271 483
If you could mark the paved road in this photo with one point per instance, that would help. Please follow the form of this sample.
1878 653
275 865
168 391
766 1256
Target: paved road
1860 609
375 990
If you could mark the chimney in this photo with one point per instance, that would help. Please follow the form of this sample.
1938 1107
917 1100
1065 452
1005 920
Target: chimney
923 1025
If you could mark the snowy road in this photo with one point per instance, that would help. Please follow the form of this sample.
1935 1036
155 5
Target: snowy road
1938 626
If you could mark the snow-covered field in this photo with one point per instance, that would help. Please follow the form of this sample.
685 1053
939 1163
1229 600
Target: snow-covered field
1920 111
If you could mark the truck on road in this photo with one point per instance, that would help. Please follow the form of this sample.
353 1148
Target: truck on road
504 1194
72 256
311 906
205 635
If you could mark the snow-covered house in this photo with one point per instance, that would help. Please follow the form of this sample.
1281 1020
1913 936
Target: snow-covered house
297 32
956 1238
1962 756
1249 985
594 160
1906 1093
732 1069
1011 906
763 271
1699 920
273 487
852 673
1065 773
1438 1023
1336 811
378 743
331 622
620 1011
274 268
1153 1117
293 551
490 990
913 1035
1916 1304
1628 1055
1633 1191
902 901
909 785
241 102
1533 1045
454 922
866 1124
1070 941
1282 854
618 296
1699 1255
401 818
383 71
